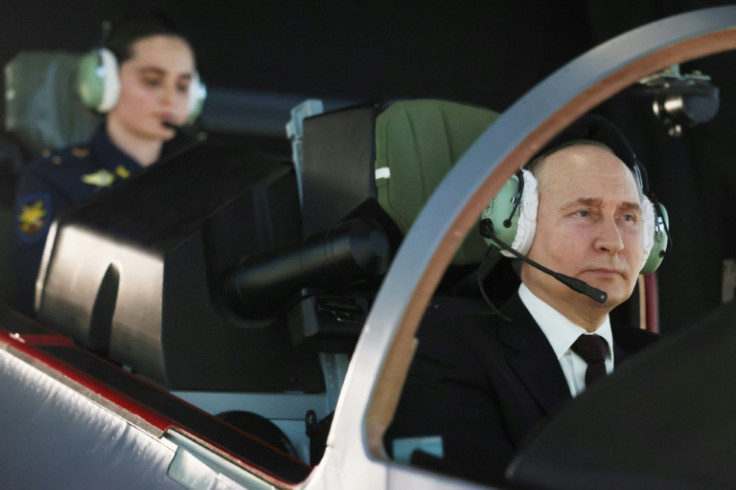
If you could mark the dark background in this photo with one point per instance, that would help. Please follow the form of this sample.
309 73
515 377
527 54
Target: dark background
268 55
488 52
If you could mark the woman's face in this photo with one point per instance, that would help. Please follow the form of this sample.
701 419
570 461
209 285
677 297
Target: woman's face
154 87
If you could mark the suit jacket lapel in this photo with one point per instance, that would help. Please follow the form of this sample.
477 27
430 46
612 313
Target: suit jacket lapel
623 343
535 362
619 354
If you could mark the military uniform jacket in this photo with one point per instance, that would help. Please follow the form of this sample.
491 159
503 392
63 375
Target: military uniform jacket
56 181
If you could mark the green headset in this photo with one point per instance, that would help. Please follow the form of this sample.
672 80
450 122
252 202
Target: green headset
98 84
511 216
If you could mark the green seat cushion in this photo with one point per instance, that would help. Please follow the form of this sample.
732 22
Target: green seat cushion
42 106
417 143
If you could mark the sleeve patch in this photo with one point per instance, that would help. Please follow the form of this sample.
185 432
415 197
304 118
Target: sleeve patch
33 216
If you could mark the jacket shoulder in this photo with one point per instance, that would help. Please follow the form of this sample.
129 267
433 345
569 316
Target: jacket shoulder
72 155
56 163
461 332
58 170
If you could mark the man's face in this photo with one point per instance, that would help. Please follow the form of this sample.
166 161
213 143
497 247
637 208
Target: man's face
589 226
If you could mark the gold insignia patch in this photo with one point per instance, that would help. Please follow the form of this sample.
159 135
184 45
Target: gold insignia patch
101 178
32 217
122 172
80 152
56 160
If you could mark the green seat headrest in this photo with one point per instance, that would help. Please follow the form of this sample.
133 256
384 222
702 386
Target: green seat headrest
417 143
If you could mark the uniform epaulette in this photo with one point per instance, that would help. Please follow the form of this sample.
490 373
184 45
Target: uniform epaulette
80 151
67 155
54 157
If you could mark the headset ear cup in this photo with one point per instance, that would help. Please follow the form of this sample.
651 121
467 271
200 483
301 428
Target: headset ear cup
661 239
197 95
512 214
499 210
98 83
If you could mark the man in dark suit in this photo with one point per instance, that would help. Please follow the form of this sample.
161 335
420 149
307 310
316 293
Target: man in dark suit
481 382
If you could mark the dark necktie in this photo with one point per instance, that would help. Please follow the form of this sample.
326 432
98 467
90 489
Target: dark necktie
592 348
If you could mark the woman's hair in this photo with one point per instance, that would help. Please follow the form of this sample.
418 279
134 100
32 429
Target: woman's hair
137 26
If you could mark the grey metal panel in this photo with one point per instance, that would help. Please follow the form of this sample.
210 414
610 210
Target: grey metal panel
53 437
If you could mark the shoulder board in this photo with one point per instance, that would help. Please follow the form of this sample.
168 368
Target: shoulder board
67 155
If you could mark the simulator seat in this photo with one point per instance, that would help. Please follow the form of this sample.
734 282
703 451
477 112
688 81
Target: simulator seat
42 111
373 166
379 160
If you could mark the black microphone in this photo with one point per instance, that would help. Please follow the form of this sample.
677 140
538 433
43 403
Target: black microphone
199 136
575 284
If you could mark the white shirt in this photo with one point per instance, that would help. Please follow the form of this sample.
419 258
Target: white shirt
561 333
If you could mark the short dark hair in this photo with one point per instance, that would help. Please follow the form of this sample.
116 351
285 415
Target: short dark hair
534 164
595 128
137 26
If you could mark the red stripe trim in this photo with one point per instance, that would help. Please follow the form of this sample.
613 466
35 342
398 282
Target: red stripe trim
42 339
27 343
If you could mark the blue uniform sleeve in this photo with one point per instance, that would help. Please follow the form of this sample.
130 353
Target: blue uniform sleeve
37 204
